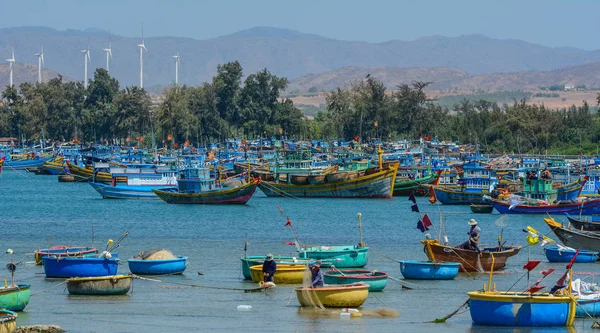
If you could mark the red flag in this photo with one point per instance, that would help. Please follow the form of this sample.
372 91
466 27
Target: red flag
289 243
279 209
531 264
427 221
288 223
547 272
570 264
535 289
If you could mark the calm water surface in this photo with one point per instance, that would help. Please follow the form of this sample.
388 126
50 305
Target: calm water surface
38 210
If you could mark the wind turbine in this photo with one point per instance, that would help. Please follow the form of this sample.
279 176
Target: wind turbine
108 54
40 64
86 57
176 57
142 48
11 61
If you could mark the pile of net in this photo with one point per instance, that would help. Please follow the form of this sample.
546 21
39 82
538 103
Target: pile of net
156 254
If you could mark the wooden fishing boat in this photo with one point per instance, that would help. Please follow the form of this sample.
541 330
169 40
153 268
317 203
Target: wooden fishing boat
378 184
299 179
470 261
65 251
8 321
79 267
404 186
250 261
336 177
88 174
554 254
572 190
55 166
345 256
584 224
158 267
317 179
234 195
427 270
285 274
482 208
521 309
376 280
100 285
586 207
576 239
340 296
15 297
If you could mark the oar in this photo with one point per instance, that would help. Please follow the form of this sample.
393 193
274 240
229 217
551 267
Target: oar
335 268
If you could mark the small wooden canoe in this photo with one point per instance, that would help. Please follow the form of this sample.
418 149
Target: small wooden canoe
481 208
340 296
376 280
8 321
15 298
285 274
100 285
470 261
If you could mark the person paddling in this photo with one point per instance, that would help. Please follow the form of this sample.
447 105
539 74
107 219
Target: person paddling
269 268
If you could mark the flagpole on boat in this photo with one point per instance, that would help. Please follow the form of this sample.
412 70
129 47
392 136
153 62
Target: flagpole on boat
360 243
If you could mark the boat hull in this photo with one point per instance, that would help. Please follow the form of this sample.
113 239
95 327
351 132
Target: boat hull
65 251
586 208
449 196
517 309
344 296
15 298
482 209
584 240
376 280
102 285
127 192
584 225
377 185
158 267
285 274
584 256
470 261
237 195
588 307
250 261
79 267
426 270
24 165
406 187
339 256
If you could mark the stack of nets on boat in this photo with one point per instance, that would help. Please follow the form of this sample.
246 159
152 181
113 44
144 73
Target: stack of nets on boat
155 254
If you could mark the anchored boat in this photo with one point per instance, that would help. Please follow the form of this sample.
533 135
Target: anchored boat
470 261
285 274
250 261
376 280
15 297
101 285
341 296
58 267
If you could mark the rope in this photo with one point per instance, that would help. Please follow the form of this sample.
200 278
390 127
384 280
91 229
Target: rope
54 286
193 285
596 323
443 320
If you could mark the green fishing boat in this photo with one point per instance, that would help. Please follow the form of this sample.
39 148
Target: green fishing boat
376 280
15 297
344 256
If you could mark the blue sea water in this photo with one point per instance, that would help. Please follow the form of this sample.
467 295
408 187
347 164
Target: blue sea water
38 211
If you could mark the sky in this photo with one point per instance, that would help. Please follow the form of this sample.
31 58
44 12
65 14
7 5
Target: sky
554 23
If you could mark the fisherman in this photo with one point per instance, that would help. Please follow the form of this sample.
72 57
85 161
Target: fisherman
317 274
474 234
269 268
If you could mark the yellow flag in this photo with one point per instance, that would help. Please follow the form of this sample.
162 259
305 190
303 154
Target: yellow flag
532 240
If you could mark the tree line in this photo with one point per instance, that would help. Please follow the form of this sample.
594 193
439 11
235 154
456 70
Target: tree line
231 107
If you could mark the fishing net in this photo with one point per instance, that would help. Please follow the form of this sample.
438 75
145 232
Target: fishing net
307 290
380 313
156 254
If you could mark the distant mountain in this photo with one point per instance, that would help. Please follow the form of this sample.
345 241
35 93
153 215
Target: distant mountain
25 73
284 52
451 78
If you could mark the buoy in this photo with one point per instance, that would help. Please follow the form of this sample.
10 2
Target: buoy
9 251
244 307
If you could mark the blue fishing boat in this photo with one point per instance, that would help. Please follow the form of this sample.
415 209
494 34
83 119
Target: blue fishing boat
376 280
101 285
136 183
572 190
345 256
15 297
584 207
521 309
250 261
556 254
80 267
477 180
428 270
158 267
25 164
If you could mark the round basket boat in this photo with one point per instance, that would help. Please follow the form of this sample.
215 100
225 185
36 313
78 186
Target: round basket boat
250 261
8 321
376 280
158 267
101 285
285 274
427 270
340 296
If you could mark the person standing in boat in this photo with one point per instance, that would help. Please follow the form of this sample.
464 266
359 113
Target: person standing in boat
473 242
317 274
269 268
